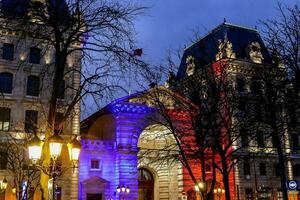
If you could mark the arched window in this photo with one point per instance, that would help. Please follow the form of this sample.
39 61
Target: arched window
146 184
33 86
6 80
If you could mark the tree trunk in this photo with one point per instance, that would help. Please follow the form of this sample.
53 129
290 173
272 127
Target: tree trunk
225 177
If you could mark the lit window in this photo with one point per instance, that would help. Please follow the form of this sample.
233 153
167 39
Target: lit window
35 55
4 119
33 86
6 80
31 118
8 51
95 164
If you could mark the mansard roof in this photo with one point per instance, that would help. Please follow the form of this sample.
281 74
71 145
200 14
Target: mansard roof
205 50
19 8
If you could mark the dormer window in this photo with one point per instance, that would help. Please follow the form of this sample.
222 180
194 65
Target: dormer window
255 52
190 65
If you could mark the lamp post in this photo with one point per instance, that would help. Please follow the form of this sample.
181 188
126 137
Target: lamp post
201 187
219 191
35 147
122 191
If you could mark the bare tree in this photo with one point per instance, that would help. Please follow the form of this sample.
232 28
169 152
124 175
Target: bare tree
97 33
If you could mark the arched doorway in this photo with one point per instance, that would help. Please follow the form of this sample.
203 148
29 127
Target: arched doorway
146 185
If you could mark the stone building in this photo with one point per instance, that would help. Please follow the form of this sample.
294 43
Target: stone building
26 66
242 53
115 137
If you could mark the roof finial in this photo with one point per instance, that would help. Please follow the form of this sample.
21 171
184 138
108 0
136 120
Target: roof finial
224 20
255 27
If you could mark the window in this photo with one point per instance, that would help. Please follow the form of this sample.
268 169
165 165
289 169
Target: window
260 139
295 142
262 169
35 55
31 119
276 169
240 85
244 138
247 171
249 194
58 125
3 160
255 87
296 170
4 119
95 164
61 90
33 86
6 80
208 168
8 51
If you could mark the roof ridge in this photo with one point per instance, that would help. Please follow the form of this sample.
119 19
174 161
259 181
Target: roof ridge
226 24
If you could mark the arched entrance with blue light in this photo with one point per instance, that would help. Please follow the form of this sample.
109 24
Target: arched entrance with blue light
113 149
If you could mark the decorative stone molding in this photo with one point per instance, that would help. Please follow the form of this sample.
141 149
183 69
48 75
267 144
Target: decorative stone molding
190 65
225 50
254 51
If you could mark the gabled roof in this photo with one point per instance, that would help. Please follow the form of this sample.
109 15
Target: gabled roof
206 49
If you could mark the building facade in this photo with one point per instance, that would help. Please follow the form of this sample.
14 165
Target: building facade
113 153
26 69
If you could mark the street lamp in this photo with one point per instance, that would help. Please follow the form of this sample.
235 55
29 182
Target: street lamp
123 190
219 191
35 147
3 185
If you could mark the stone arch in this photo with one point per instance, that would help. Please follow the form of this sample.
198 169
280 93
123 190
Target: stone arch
166 177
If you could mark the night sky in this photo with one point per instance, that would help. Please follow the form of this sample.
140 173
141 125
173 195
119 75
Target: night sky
169 24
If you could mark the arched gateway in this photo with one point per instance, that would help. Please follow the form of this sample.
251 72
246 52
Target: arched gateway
123 145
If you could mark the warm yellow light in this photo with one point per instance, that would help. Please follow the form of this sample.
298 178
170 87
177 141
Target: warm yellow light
74 149
123 188
55 144
3 184
55 150
196 188
35 149
202 185
219 190
223 191
14 190
127 190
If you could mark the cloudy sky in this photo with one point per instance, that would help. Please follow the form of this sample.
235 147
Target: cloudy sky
169 24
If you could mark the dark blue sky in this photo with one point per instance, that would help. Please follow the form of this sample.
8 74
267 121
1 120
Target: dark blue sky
169 24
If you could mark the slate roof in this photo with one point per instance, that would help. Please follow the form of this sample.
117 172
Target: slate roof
205 50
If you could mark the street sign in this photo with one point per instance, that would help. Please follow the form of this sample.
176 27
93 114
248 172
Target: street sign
292 185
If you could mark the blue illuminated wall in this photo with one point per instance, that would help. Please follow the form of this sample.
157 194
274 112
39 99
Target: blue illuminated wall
118 157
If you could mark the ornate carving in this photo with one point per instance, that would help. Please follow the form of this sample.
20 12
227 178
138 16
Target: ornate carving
225 50
254 50
190 65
